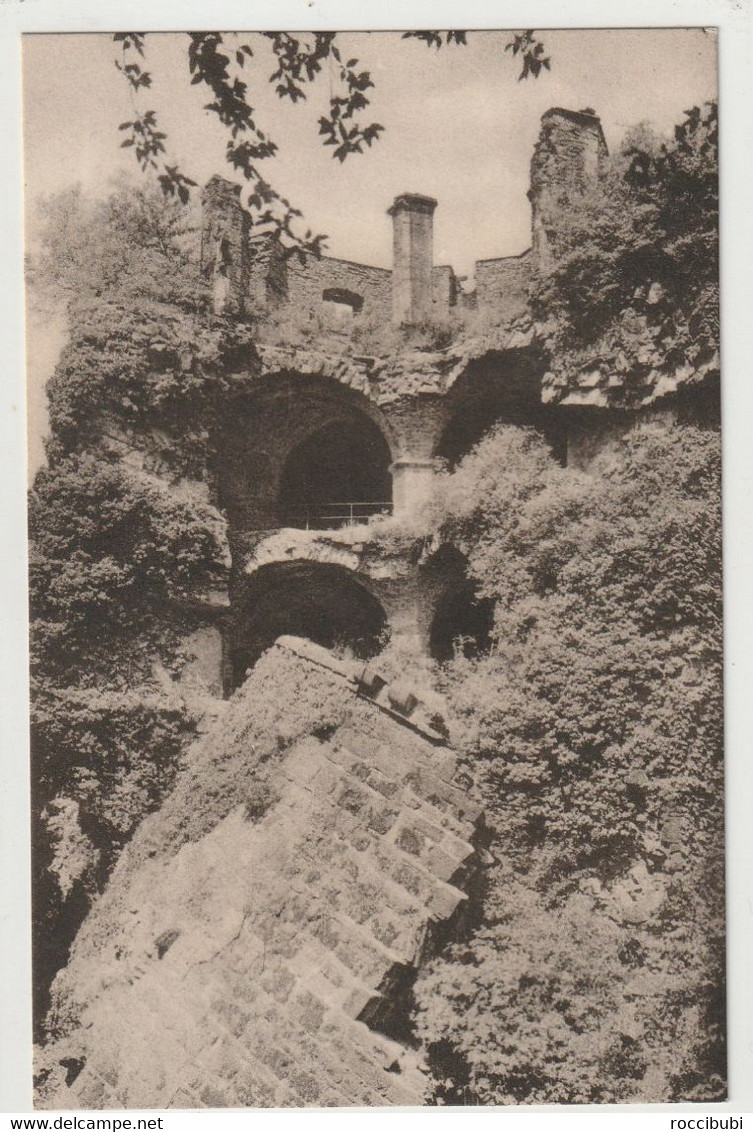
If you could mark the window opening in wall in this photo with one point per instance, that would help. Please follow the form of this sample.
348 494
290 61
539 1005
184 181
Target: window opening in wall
342 304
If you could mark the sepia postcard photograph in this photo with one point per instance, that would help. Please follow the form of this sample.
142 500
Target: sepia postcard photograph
375 568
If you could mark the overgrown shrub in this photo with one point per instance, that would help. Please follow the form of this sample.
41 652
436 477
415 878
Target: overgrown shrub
593 728
319 328
595 734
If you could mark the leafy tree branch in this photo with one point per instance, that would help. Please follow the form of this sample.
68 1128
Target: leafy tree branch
217 63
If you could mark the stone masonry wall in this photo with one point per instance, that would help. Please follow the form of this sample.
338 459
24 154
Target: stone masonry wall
268 274
307 283
501 285
250 271
254 943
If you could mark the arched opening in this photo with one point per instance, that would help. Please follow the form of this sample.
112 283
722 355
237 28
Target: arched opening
338 475
463 623
320 601
503 388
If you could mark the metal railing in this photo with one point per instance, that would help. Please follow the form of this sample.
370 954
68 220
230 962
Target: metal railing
331 516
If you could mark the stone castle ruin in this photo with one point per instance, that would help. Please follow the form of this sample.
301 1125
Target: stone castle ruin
325 443
256 946
258 952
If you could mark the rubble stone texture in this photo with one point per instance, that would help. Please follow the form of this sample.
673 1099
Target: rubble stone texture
256 940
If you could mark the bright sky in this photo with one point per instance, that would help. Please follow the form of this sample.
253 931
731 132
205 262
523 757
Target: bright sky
459 127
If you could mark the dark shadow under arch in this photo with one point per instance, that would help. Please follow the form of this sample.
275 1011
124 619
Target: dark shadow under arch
339 473
323 602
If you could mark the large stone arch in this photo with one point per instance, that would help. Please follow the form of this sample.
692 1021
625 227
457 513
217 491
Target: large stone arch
293 428
323 601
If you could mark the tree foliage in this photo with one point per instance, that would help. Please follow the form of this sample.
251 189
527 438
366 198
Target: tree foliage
595 970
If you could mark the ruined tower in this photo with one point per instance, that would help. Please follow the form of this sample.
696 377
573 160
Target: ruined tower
413 257
567 157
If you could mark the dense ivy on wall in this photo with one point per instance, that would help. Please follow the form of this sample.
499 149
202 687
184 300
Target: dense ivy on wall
595 972
633 288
